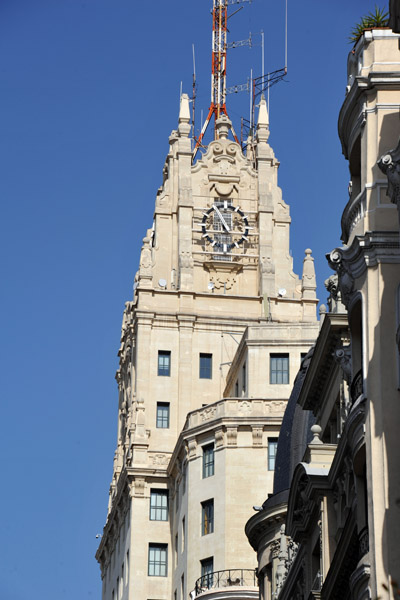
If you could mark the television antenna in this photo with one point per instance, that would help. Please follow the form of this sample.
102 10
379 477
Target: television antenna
256 86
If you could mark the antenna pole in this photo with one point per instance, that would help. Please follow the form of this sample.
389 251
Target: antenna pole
286 37
194 93
262 57
218 68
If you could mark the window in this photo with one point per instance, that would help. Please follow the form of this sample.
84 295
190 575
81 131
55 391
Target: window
272 446
279 368
176 549
163 415
157 560
183 585
207 517
244 377
205 366
158 505
207 568
164 363
208 461
237 389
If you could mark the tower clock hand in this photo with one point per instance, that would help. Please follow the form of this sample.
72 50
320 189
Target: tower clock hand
222 218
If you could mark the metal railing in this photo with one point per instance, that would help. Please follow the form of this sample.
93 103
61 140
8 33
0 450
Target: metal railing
356 388
228 578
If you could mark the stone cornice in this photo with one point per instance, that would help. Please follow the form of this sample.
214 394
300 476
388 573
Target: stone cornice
347 125
323 366
264 522
366 251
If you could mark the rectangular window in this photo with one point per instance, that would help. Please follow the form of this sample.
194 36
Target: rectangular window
163 415
183 534
279 368
205 366
158 560
164 363
272 446
208 460
207 569
207 517
244 377
158 505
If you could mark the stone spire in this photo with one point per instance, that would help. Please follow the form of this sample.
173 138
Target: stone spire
184 116
309 282
263 121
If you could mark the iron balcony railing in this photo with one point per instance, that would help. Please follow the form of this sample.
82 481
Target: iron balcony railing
228 578
356 388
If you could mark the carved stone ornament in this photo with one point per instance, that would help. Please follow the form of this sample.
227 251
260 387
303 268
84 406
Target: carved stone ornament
139 486
257 433
208 413
192 448
334 300
338 263
231 435
244 407
219 438
390 165
186 260
342 356
159 460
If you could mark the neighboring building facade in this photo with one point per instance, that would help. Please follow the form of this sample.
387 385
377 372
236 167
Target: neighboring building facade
209 348
332 528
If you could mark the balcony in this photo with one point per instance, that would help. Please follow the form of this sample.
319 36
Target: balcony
356 388
237 584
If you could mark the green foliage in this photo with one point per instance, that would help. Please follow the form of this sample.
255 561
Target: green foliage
375 18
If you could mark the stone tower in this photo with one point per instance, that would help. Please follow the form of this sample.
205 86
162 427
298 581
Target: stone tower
210 345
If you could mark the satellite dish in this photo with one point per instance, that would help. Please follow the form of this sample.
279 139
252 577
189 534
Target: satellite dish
210 285
162 283
281 292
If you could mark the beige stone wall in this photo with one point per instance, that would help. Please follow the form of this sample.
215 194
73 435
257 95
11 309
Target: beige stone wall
191 297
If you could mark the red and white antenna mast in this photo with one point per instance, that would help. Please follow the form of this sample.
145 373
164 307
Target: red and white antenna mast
218 66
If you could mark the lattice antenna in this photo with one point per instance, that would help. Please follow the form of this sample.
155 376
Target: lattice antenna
218 67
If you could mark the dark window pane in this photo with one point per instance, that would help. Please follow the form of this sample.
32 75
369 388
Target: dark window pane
208 460
279 368
207 517
159 505
163 415
164 363
157 566
205 366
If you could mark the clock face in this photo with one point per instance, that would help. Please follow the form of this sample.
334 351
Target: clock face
224 226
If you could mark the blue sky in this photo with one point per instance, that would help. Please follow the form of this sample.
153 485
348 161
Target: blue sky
89 93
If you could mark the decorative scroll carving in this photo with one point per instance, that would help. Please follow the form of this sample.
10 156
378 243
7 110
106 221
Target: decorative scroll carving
343 357
219 438
231 435
192 448
257 433
338 263
334 300
390 165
